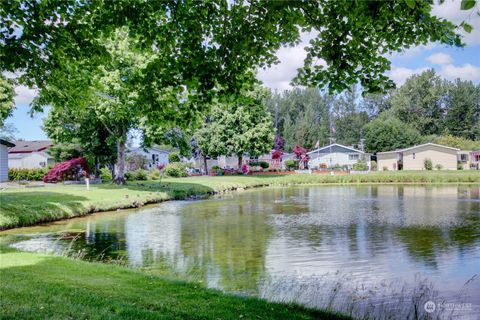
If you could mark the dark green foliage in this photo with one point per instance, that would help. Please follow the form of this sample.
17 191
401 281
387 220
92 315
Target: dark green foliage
420 102
175 170
291 164
264 165
389 133
463 112
66 151
26 174
173 157
427 164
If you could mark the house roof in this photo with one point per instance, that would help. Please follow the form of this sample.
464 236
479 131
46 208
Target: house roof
31 146
7 143
13 156
334 147
419 146
153 148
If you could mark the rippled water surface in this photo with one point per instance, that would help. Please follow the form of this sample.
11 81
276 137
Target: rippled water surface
362 250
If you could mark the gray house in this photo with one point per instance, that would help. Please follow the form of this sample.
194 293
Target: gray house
4 146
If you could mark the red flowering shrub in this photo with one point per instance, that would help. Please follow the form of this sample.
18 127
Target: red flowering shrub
276 154
68 169
299 152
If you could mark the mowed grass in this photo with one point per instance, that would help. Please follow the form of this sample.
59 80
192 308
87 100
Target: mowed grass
35 286
29 206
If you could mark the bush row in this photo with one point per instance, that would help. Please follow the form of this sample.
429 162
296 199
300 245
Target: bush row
26 174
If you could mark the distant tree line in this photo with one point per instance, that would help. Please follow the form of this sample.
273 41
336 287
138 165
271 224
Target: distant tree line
426 108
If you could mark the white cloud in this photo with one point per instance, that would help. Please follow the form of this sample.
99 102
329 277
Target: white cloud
465 72
400 74
24 95
450 10
291 58
440 58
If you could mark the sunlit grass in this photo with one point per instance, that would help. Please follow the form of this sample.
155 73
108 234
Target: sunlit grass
36 286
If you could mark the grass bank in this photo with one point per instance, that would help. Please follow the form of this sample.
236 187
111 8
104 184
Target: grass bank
29 206
35 286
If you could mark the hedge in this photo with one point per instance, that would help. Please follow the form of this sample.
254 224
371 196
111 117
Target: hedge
15 174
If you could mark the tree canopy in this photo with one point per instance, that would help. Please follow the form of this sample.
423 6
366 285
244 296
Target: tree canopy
202 45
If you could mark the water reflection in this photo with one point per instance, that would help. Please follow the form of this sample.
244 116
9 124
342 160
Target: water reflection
239 242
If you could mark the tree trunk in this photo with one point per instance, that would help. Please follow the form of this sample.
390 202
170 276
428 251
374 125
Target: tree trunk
240 160
205 164
97 168
121 152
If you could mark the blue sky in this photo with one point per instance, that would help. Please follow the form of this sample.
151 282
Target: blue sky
449 62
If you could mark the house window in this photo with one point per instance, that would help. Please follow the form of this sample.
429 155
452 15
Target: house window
42 164
353 156
414 156
463 157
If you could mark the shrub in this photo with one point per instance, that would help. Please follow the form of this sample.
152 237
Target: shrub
173 157
360 166
373 165
129 176
438 166
323 166
154 174
264 164
427 163
176 170
65 170
385 168
106 174
291 164
139 174
26 174
459 166
254 163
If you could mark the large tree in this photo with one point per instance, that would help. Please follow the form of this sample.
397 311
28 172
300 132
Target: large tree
211 42
388 133
243 127
421 101
463 113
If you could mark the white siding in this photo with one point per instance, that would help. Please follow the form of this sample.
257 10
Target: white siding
31 161
334 158
3 163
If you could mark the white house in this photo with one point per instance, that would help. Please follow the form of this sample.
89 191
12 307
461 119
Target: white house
336 155
30 154
4 145
154 155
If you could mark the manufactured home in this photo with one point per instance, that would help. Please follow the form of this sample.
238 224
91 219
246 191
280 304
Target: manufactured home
413 158
336 155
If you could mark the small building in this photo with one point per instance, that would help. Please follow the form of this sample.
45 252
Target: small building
30 154
4 146
154 155
336 155
413 158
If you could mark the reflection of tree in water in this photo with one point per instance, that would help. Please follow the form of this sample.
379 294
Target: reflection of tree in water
228 247
99 241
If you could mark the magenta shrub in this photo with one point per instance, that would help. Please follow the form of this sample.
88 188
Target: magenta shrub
68 169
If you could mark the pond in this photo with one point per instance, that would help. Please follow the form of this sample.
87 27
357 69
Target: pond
380 251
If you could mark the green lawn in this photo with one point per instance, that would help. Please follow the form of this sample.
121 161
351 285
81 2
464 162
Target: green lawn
35 286
29 206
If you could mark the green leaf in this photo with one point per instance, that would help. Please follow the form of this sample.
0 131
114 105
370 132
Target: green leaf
410 3
467 4
468 28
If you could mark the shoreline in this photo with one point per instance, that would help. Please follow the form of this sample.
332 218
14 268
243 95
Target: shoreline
79 202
